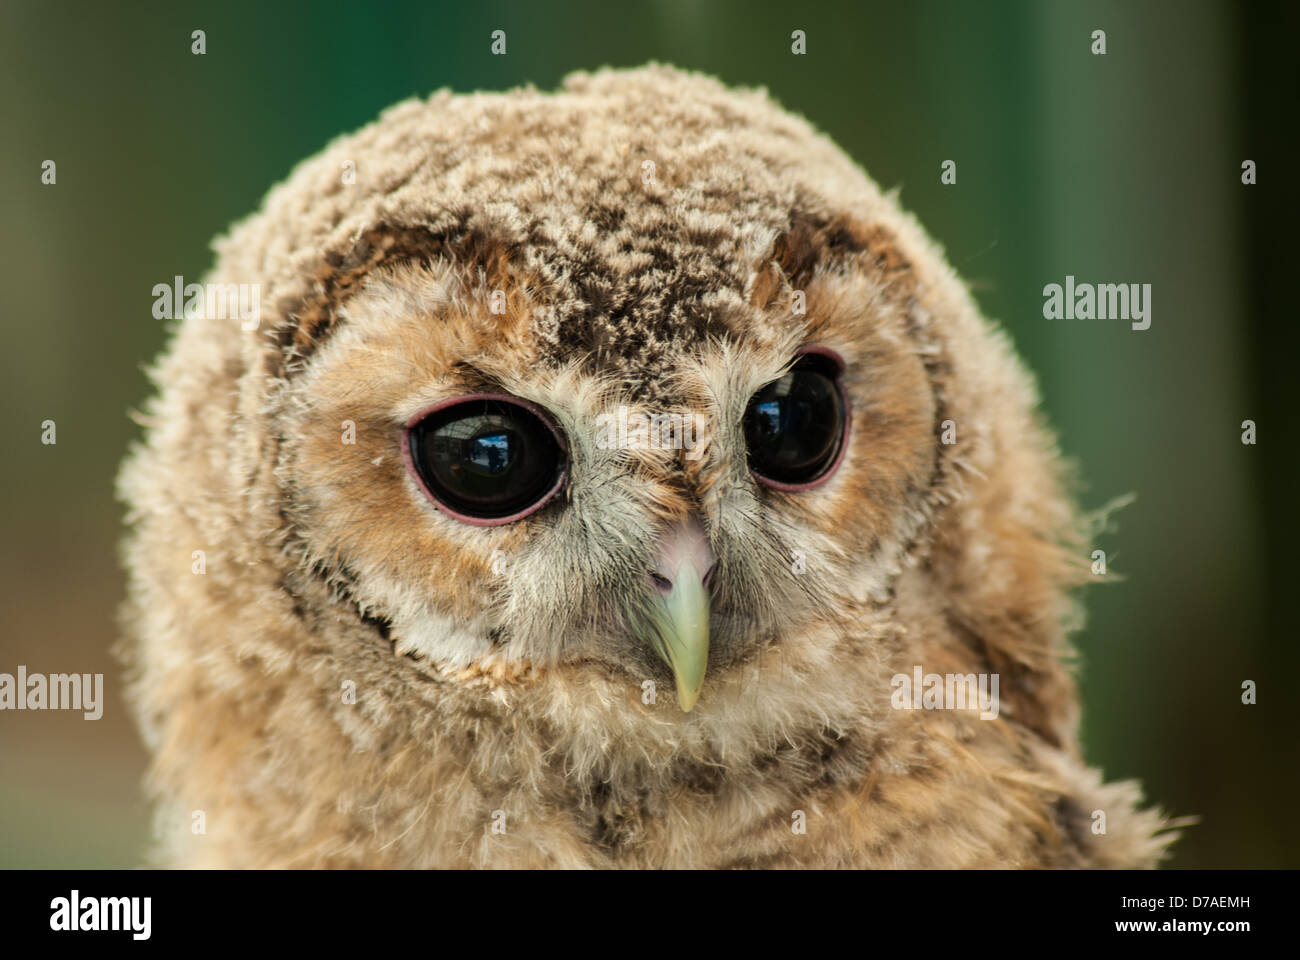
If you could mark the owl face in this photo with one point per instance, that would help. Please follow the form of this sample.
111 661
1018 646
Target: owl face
598 460
658 490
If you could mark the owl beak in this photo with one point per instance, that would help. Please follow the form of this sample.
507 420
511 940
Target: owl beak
676 620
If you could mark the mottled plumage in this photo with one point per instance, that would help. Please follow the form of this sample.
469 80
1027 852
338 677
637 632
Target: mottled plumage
651 233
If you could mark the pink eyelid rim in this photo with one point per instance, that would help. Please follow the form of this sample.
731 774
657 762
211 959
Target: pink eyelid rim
466 398
820 351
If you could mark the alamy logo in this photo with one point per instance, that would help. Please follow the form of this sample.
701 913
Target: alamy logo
102 913
1102 301
57 691
209 301
948 691
660 431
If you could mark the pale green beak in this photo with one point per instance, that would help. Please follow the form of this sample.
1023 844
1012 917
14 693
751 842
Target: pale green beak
678 623
674 619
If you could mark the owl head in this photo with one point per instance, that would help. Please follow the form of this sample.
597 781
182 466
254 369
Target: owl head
630 414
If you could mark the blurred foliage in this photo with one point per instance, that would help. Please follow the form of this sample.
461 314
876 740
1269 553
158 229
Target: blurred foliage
1121 168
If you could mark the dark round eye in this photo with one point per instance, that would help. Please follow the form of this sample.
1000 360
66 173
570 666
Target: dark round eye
486 458
795 427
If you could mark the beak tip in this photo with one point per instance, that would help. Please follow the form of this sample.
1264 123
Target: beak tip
686 699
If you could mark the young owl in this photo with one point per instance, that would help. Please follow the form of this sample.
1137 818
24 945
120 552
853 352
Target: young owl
612 477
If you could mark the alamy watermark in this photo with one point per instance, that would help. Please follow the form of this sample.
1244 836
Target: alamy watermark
57 691
209 301
948 691
660 431
1102 301
75 913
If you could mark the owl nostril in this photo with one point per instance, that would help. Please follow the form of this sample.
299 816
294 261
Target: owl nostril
679 545
665 585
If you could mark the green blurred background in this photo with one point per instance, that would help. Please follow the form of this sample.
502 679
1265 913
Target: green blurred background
1121 168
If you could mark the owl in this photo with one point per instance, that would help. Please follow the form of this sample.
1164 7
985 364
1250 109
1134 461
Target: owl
612 477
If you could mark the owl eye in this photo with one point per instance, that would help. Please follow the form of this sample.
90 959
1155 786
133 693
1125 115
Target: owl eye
796 427
486 458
